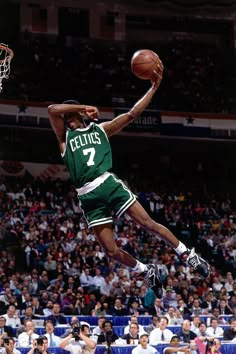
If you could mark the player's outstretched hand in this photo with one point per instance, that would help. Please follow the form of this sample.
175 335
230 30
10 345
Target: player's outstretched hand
91 112
157 75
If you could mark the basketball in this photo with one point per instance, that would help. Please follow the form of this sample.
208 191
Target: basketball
143 63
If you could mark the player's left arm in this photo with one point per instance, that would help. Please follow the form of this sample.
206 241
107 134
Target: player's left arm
118 123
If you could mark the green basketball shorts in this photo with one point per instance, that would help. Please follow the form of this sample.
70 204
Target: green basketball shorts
110 196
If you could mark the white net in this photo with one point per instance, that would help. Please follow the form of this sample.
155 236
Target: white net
6 54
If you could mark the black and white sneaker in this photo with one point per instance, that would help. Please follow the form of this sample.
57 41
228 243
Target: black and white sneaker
153 280
196 262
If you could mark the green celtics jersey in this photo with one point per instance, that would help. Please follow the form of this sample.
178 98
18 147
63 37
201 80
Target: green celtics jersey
87 154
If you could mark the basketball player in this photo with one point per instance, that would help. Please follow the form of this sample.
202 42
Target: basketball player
87 154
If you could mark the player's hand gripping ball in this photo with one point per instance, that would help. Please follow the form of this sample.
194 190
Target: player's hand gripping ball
144 62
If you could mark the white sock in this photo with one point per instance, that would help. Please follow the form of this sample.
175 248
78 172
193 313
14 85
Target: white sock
140 267
180 249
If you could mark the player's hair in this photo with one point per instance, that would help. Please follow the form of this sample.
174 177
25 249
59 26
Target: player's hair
70 102
73 102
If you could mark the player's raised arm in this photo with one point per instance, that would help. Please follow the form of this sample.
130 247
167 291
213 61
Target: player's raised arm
117 124
58 112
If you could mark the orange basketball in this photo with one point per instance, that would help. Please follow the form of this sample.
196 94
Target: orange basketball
143 63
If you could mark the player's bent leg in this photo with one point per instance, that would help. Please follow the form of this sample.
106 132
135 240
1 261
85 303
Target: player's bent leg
104 234
139 214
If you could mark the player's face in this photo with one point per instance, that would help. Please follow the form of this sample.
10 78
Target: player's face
73 120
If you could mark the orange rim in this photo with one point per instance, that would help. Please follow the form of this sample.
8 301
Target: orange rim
10 52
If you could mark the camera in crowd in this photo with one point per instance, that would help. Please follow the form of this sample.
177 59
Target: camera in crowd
76 331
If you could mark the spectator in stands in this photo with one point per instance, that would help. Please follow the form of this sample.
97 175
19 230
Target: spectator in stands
202 330
174 316
215 330
133 320
56 317
108 336
154 324
185 334
36 308
158 308
99 310
99 328
98 281
195 323
175 347
161 333
53 340
12 318
26 338
68 302
230 333
48 310
208 345
78 342
183 309
132 336
216 314
28 314
224 308
169 299
118 309
5 331
40 345
143 346
10 345
196 308
209 302
6 296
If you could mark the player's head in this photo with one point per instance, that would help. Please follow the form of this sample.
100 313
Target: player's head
73 120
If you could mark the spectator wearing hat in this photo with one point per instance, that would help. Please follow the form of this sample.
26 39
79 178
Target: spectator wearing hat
143 346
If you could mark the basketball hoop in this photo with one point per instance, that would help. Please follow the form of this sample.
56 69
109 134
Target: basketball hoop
6 55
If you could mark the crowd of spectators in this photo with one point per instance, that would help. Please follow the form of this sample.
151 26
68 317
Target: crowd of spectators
51 265
47 68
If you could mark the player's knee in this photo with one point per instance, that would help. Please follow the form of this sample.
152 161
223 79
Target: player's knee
113 253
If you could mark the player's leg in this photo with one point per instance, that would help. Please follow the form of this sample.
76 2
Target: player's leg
138 213
104 234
